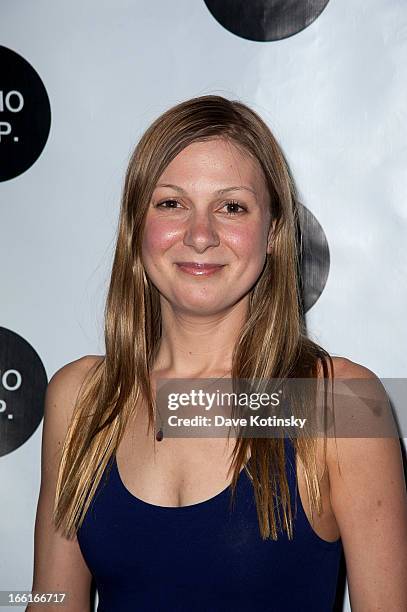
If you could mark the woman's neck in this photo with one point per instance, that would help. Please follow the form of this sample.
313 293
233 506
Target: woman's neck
196 346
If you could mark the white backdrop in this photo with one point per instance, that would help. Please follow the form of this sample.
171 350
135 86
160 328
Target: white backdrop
335 96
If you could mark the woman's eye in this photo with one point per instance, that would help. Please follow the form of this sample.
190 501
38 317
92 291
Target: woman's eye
173 202
235 206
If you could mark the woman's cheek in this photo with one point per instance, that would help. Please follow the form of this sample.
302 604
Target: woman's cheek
245 241
158 237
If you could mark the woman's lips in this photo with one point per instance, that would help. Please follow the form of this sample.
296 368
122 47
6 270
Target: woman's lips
199 269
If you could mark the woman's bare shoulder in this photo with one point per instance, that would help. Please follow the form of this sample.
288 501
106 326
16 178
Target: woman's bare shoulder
366 438
346 368
65 384
75 371
362 415
343 367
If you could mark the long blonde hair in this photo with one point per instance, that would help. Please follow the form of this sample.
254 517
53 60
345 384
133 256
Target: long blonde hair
272 343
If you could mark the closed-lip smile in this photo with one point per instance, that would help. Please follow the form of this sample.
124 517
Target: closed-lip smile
198 269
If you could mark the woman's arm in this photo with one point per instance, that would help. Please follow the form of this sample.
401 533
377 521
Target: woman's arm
369 501
59 566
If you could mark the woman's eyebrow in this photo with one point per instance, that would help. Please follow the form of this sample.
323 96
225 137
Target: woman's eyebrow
219 191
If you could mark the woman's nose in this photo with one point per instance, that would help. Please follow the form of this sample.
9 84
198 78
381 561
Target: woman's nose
200 232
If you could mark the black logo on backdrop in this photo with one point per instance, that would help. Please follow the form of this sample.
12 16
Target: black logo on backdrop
23 382
314 257
265 20
25 115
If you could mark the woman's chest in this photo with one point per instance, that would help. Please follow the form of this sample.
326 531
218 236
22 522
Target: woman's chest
209 552
179 472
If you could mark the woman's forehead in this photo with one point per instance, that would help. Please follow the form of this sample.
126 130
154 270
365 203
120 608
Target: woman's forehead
215 158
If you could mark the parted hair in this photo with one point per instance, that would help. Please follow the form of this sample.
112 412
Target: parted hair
272 343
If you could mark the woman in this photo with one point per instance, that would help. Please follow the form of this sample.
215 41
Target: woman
204 285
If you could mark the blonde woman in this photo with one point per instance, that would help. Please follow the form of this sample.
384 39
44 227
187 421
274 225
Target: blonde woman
204 285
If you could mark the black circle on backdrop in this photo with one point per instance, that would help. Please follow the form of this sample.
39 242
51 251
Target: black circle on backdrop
23 383
313 255
25 115
265 20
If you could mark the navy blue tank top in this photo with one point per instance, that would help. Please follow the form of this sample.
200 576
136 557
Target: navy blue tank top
204 557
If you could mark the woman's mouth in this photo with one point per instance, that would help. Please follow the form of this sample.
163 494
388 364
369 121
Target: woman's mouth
198 269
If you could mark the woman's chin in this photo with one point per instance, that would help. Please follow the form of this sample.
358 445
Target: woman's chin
201 307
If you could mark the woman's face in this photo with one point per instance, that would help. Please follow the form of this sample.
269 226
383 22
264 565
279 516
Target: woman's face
209 206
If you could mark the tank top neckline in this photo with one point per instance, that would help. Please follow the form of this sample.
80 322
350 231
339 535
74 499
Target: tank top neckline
190 507
243 479
176 509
